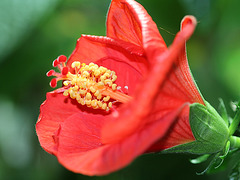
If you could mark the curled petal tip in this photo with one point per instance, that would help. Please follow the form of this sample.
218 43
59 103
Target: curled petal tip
189 19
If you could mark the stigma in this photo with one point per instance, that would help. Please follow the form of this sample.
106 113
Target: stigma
89 84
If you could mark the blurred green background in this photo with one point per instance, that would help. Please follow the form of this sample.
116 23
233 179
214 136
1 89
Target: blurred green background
34 32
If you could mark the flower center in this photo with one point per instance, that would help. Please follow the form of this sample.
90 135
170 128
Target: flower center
91 85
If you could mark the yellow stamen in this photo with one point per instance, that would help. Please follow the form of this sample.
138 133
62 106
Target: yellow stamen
110 104
88 102
93 86
97 73
106 99
88 96
104 106
114 87
66 83
114 78
92 89
100 84
99 103
65 93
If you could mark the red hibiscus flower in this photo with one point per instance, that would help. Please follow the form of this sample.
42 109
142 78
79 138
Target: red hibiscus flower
123 95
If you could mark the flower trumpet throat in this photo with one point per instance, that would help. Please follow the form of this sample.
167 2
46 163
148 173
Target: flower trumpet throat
91 85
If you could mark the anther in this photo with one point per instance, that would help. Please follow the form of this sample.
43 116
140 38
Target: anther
78 97
114 87
72 93
88 102
104 106
92 89
75 88
66 83
65 93
84 85
106 98
100 84
91 64
96 73
114 78
85 68
102 78
85 74
99 96
99 103
94 103
97 93
108 82
82 102
108 71
107 74
74 80
75 64
82 92
88 96
102 69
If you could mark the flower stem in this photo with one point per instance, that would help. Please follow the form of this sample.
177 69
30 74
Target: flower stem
234 125
235 142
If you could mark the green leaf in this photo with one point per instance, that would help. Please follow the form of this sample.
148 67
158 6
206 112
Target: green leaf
226 150
18 18
223 111
234 142
209 129
235 174
200 159
230 165
212 162
235 123
234 166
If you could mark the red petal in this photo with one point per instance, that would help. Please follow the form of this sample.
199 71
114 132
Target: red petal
92 48
130 22
179 133
179 85
80 148
153 98
56 109
129 67
183 71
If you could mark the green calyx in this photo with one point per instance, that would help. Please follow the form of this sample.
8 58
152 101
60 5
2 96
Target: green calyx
216 137
209 129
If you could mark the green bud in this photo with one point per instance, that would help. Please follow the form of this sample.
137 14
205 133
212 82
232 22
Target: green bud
209 129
